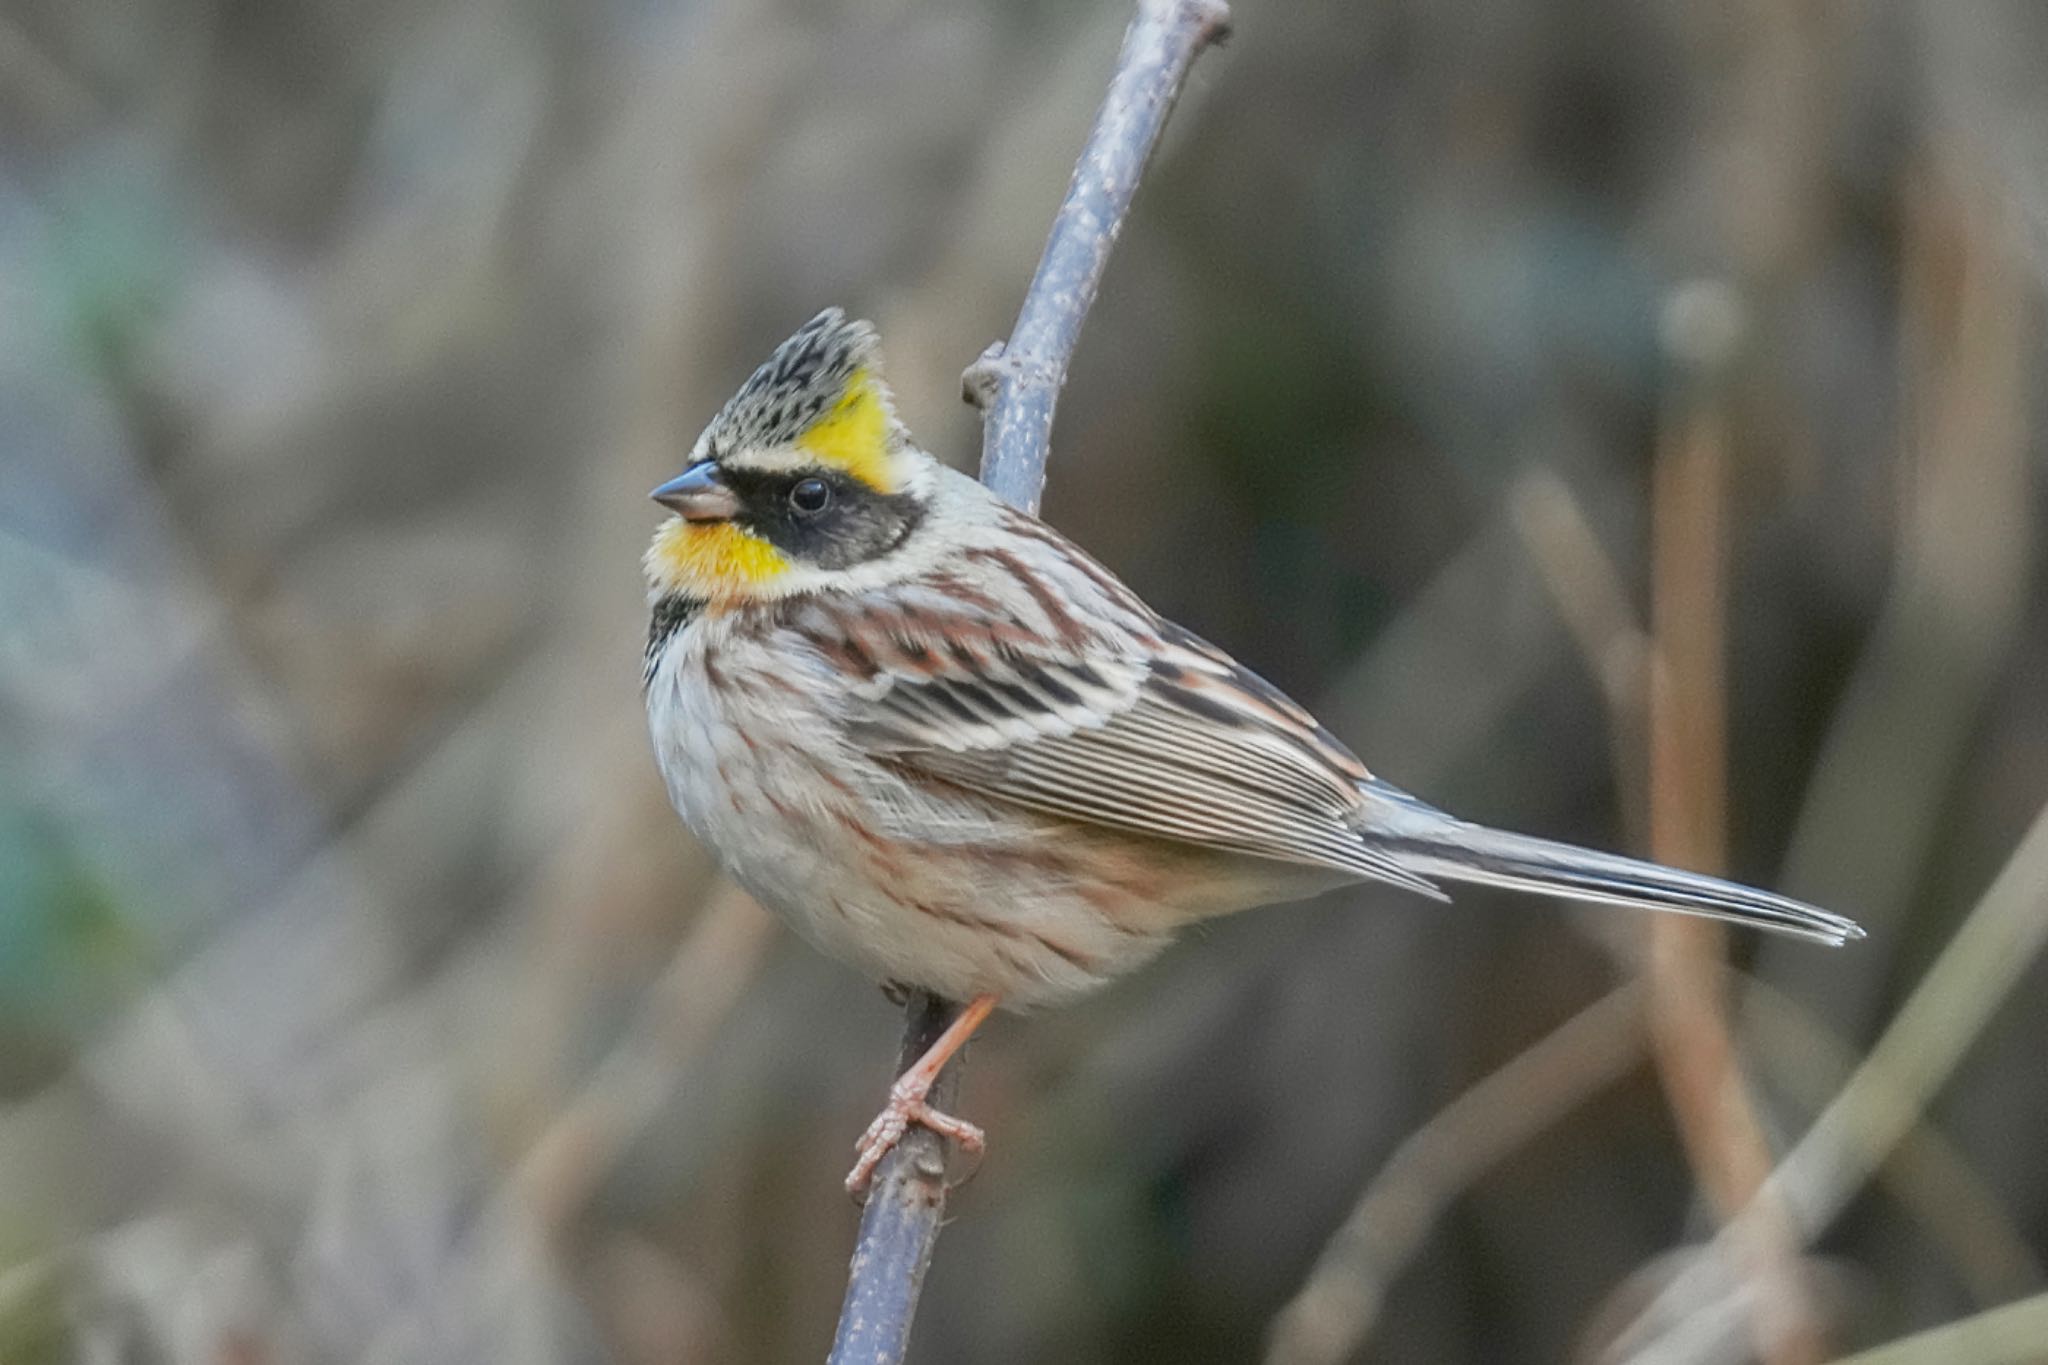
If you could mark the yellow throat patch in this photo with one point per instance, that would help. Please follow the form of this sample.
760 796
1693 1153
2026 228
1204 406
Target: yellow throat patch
715 560
853 434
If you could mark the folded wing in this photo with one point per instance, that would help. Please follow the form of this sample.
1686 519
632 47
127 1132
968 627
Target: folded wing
1069 698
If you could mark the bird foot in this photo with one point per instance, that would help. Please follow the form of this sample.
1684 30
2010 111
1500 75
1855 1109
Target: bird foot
907 1106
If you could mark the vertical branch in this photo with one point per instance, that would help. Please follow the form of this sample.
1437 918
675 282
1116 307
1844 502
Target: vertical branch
1966 543
1696 1051
900 1224
1694 1042
1690 1319
1016 385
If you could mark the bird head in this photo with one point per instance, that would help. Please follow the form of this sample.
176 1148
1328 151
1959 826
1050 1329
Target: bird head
804 473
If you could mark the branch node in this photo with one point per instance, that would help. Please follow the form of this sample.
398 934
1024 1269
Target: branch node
981 382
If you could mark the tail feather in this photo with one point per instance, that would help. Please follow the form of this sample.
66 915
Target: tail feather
1432 844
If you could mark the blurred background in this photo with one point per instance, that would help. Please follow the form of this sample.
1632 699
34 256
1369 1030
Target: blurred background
1619 418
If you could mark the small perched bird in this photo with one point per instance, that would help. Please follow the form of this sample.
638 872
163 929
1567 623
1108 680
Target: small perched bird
951 749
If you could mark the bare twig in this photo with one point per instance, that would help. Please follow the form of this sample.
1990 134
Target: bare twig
1016 386
1330 1317
1593 602
550 1188
2011 1335
1929 1177
1697 1057
2003 934
900 1225
1955 589
1671 690
1956 606
583 1143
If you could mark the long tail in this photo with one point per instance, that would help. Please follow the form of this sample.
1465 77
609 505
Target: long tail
1430 843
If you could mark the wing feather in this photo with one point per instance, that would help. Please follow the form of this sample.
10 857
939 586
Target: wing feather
1037 686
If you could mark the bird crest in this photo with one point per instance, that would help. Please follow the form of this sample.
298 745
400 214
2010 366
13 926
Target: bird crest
818 400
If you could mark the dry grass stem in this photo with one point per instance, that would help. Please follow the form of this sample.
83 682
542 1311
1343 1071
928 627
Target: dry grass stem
1333 1313
2012 1335
1943 1016
1927 1175
1593 602
1697 1056
1958 583
1961 566
681 1011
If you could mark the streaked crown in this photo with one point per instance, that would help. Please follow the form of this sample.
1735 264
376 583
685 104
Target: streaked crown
820 399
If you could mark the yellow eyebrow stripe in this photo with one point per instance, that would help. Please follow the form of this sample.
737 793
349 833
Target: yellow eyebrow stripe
854 435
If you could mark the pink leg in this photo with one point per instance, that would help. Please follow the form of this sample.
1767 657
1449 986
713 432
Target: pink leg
907 1100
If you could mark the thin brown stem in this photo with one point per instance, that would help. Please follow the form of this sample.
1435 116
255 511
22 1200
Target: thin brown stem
1592 601
1335 1310
1962 554
2011 1335
1943 1016
581 1146
1697 1057
1928 1176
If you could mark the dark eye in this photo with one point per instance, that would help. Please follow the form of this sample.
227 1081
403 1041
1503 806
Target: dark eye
810 496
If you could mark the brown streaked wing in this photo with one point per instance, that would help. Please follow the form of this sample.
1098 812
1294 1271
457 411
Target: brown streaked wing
988 691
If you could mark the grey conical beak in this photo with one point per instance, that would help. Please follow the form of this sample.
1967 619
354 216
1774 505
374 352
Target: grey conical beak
699 493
